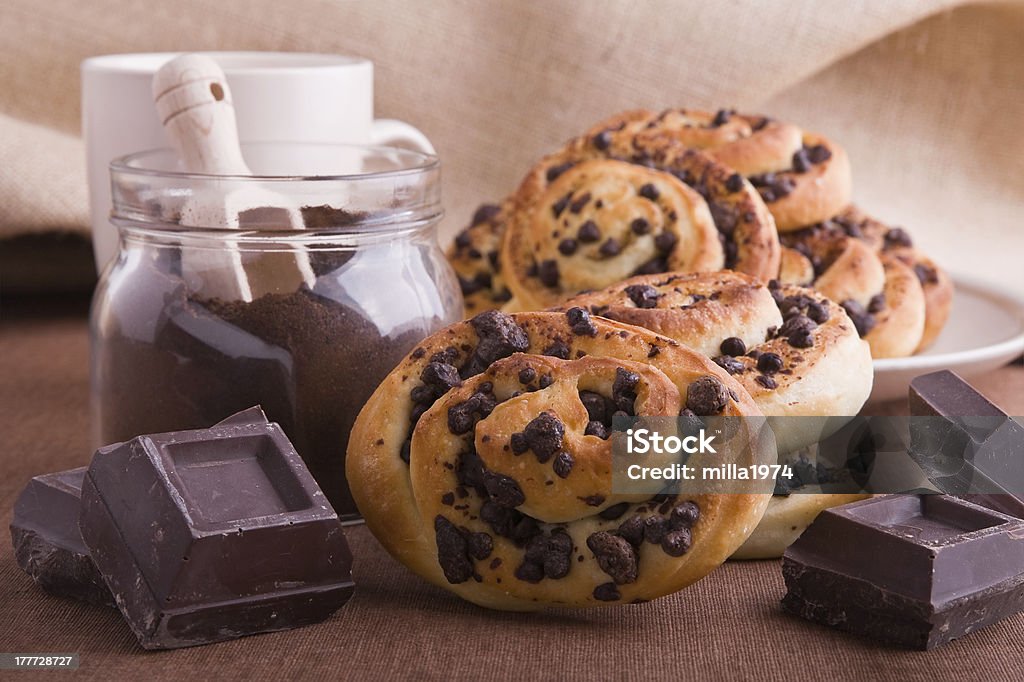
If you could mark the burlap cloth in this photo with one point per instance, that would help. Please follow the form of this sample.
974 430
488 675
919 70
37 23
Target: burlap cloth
728 626
927 95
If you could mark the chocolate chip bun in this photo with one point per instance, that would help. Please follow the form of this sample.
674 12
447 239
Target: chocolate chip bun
474 257
898 299
639 192
482 462
592 214
797 354
803 177
896 242
785 519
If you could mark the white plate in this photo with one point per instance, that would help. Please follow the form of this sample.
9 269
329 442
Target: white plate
985 330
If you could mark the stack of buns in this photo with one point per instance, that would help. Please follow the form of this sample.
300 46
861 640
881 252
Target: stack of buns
645 193
675 263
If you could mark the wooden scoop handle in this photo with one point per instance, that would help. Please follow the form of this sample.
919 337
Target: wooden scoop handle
194 103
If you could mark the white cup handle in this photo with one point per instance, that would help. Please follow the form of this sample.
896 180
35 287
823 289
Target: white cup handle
391 132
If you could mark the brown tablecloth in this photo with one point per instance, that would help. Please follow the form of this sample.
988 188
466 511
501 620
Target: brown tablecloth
727 626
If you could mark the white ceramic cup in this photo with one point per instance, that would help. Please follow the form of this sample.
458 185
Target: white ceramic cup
278 96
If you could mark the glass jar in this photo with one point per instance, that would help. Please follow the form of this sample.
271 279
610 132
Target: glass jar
194 321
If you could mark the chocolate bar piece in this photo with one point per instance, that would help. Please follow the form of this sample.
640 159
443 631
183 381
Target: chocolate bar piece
47 544
913 570
213 534
253 415
966 445
44 531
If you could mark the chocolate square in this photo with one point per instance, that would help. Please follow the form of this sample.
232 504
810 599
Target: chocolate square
965 444
213 534
913 570
47 543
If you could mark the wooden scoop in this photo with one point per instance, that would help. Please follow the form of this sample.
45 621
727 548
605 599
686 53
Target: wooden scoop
194 103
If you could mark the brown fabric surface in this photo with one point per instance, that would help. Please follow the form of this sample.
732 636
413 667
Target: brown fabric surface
68 266
926 96
728 626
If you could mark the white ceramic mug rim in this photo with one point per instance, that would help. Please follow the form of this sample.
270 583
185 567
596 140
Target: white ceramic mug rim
234 62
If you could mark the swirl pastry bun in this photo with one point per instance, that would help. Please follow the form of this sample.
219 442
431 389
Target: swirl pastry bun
804 178
796 353
640 192
895 242
819 467
474 257
482 464
786 518
898 299
588 216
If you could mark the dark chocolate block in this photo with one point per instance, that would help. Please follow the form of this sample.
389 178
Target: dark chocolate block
213 534
966 445
253 415
913 570
47 543
44 531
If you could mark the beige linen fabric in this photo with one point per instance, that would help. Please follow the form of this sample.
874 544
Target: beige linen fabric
926 96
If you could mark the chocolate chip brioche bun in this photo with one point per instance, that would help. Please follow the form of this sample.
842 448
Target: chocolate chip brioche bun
786 518
802 177
482 462
895 242
560 243
602 221
797 353
474 257
590 215
897 297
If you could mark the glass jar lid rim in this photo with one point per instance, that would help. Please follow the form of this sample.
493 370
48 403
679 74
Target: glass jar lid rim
421 162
